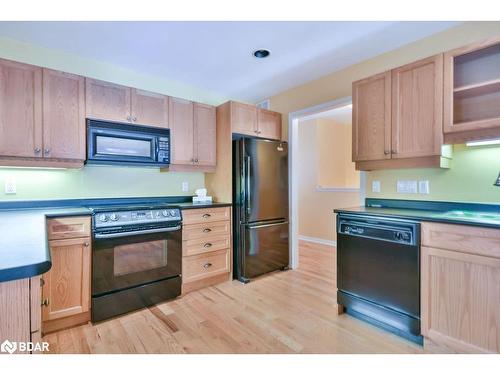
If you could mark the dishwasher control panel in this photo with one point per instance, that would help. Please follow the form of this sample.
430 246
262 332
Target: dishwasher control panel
378 231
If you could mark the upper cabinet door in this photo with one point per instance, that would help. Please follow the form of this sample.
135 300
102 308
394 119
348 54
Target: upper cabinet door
181 131
417 108
371 118
269 124
20 109
107 101
244 119
149 108
205 135
63 115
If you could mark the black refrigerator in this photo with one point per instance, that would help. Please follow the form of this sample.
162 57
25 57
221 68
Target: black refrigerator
260 196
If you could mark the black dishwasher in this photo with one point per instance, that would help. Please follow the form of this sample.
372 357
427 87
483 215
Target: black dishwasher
378 272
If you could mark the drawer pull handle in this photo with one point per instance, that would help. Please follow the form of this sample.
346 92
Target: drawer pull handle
46 302
206 230
208 244
206 216
207 265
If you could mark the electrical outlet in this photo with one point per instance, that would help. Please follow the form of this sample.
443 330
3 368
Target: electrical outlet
423 187
376 186
407 187
10 185
185 186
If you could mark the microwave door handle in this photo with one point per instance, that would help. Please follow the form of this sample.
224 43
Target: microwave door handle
157 149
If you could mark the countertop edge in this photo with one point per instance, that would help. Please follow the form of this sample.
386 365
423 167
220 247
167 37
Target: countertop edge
419 218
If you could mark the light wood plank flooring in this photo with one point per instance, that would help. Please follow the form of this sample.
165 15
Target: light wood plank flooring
284 312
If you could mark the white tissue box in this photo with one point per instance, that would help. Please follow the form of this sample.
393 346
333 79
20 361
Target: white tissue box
205 199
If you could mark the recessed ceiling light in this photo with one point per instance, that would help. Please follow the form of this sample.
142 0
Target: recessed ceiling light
261 53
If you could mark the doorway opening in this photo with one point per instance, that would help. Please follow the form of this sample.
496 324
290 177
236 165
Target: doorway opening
322 175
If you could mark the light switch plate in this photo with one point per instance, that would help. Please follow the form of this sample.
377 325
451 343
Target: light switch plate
423 187
185 186
10 185
407 187
376 186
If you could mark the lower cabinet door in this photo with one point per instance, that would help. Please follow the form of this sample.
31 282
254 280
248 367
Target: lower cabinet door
66 289
461 300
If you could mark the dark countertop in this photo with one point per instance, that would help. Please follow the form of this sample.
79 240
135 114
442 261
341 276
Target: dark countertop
416 211
24 250
191 205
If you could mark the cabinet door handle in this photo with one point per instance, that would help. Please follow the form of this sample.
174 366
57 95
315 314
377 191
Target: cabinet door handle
86 244
206 216
386 152
207 265
38 150
196 160
46 302
42 282
134 118
129 118
394 152
207 245
206 230
47 151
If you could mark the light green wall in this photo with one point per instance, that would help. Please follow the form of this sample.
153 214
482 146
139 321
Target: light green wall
470 178
98 181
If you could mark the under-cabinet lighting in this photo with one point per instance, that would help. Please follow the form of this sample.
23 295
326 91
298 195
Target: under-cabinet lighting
483 143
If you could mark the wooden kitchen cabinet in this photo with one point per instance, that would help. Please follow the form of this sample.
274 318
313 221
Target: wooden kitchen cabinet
63 115
206 247
417 109
193 134
204 136
472 92
181 131
20 110
247 119
107 101
149 108
460 287
269 124
66 287
244 118
20 312
397 118
371 118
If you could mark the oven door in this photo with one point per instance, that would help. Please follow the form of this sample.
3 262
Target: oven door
125 261
121 144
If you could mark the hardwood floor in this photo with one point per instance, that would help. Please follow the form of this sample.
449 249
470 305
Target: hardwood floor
284 312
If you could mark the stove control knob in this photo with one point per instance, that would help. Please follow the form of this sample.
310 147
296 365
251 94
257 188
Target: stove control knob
103 218
173 213
113 217
165 213
158 214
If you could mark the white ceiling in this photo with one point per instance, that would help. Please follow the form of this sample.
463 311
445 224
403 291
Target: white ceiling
217 56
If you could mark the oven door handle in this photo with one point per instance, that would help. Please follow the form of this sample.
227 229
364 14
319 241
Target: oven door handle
136 233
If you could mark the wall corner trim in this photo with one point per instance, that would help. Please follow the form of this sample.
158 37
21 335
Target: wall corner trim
317 240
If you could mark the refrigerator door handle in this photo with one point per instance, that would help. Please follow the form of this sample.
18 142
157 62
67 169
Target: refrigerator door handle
248 185
267 225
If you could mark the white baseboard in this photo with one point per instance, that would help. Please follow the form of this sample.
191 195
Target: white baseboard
318 240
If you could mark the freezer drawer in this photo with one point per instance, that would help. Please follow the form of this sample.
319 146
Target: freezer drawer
265 249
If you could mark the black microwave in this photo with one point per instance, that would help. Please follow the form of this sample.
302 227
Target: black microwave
125 144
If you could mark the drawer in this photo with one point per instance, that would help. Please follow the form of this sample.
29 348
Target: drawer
463 238
206 215
204 245
206 231
68 227
197 267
